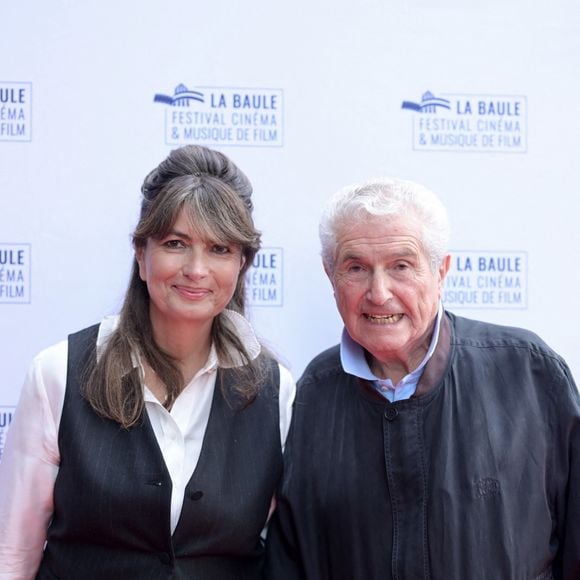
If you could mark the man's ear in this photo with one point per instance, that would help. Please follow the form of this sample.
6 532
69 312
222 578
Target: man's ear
444 269
329 272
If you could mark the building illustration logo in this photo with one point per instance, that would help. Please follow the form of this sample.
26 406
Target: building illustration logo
181 97
223 116
469 123
428 104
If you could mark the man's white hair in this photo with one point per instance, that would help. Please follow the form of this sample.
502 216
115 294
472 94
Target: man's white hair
389 197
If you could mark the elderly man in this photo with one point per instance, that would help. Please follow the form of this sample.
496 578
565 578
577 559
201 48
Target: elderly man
425 445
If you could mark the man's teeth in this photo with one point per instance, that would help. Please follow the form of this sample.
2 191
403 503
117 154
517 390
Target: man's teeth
388 319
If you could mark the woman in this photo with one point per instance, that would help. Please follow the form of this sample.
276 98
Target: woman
149 446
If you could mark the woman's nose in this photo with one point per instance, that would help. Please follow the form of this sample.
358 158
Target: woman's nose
195 264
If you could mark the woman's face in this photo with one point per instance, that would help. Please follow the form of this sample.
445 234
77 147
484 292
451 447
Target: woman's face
190 278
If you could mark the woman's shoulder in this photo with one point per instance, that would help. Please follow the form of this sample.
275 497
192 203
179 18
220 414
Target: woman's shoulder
51 361
48 369
45 383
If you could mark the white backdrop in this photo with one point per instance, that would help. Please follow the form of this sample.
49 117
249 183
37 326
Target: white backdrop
475 101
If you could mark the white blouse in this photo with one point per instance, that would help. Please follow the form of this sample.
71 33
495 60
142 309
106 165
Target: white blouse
31 457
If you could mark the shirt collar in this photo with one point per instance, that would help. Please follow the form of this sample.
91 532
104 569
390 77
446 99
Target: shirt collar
354 362
240 324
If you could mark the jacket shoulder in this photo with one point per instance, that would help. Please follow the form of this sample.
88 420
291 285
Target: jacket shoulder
322 367
511 348
467 331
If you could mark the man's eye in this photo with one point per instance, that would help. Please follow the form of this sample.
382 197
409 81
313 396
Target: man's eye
355 269
402 266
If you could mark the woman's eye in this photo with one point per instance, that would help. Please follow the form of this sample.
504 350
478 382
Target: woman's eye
173 244
219 249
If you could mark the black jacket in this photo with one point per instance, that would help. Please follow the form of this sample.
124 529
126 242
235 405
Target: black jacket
476 477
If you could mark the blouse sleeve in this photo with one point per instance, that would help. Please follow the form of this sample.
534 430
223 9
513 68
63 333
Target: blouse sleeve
286 400
30 464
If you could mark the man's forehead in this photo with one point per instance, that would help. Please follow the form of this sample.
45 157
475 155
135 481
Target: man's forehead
379 232
395 246
376 226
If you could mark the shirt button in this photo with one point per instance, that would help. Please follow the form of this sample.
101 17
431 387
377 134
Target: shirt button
391 413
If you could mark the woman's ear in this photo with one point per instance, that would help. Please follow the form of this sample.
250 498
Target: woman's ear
141 263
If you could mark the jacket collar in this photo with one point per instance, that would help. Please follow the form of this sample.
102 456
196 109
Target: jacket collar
437 364
432 374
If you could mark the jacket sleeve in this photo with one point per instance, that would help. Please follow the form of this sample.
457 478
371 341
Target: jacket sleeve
282 559
572 530
569 512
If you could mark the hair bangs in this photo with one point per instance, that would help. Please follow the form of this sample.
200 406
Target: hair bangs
216 212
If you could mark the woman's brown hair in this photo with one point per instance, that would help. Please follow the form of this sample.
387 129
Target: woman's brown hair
217 196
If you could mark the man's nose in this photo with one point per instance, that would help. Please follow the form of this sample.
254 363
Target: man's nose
380 288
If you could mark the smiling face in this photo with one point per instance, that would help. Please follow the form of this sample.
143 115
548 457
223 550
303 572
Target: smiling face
190 277
386 291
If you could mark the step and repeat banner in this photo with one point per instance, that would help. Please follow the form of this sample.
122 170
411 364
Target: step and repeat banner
477 102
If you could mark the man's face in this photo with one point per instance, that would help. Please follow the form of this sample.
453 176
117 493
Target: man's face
386 291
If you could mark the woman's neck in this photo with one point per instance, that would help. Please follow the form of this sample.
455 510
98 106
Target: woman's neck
188 344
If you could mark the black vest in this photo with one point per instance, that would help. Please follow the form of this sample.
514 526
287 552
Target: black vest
112 493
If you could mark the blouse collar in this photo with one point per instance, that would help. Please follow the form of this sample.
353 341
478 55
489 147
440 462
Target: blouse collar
240 324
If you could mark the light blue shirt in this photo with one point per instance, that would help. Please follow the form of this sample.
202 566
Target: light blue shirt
354 362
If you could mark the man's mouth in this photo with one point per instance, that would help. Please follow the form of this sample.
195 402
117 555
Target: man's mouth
383 319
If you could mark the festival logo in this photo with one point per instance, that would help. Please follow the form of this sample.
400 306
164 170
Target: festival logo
264 278
14 273
223 116
484 279
469 123
15 111
6 414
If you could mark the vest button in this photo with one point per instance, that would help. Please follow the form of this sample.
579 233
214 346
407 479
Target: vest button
165 558
391 413
195 495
